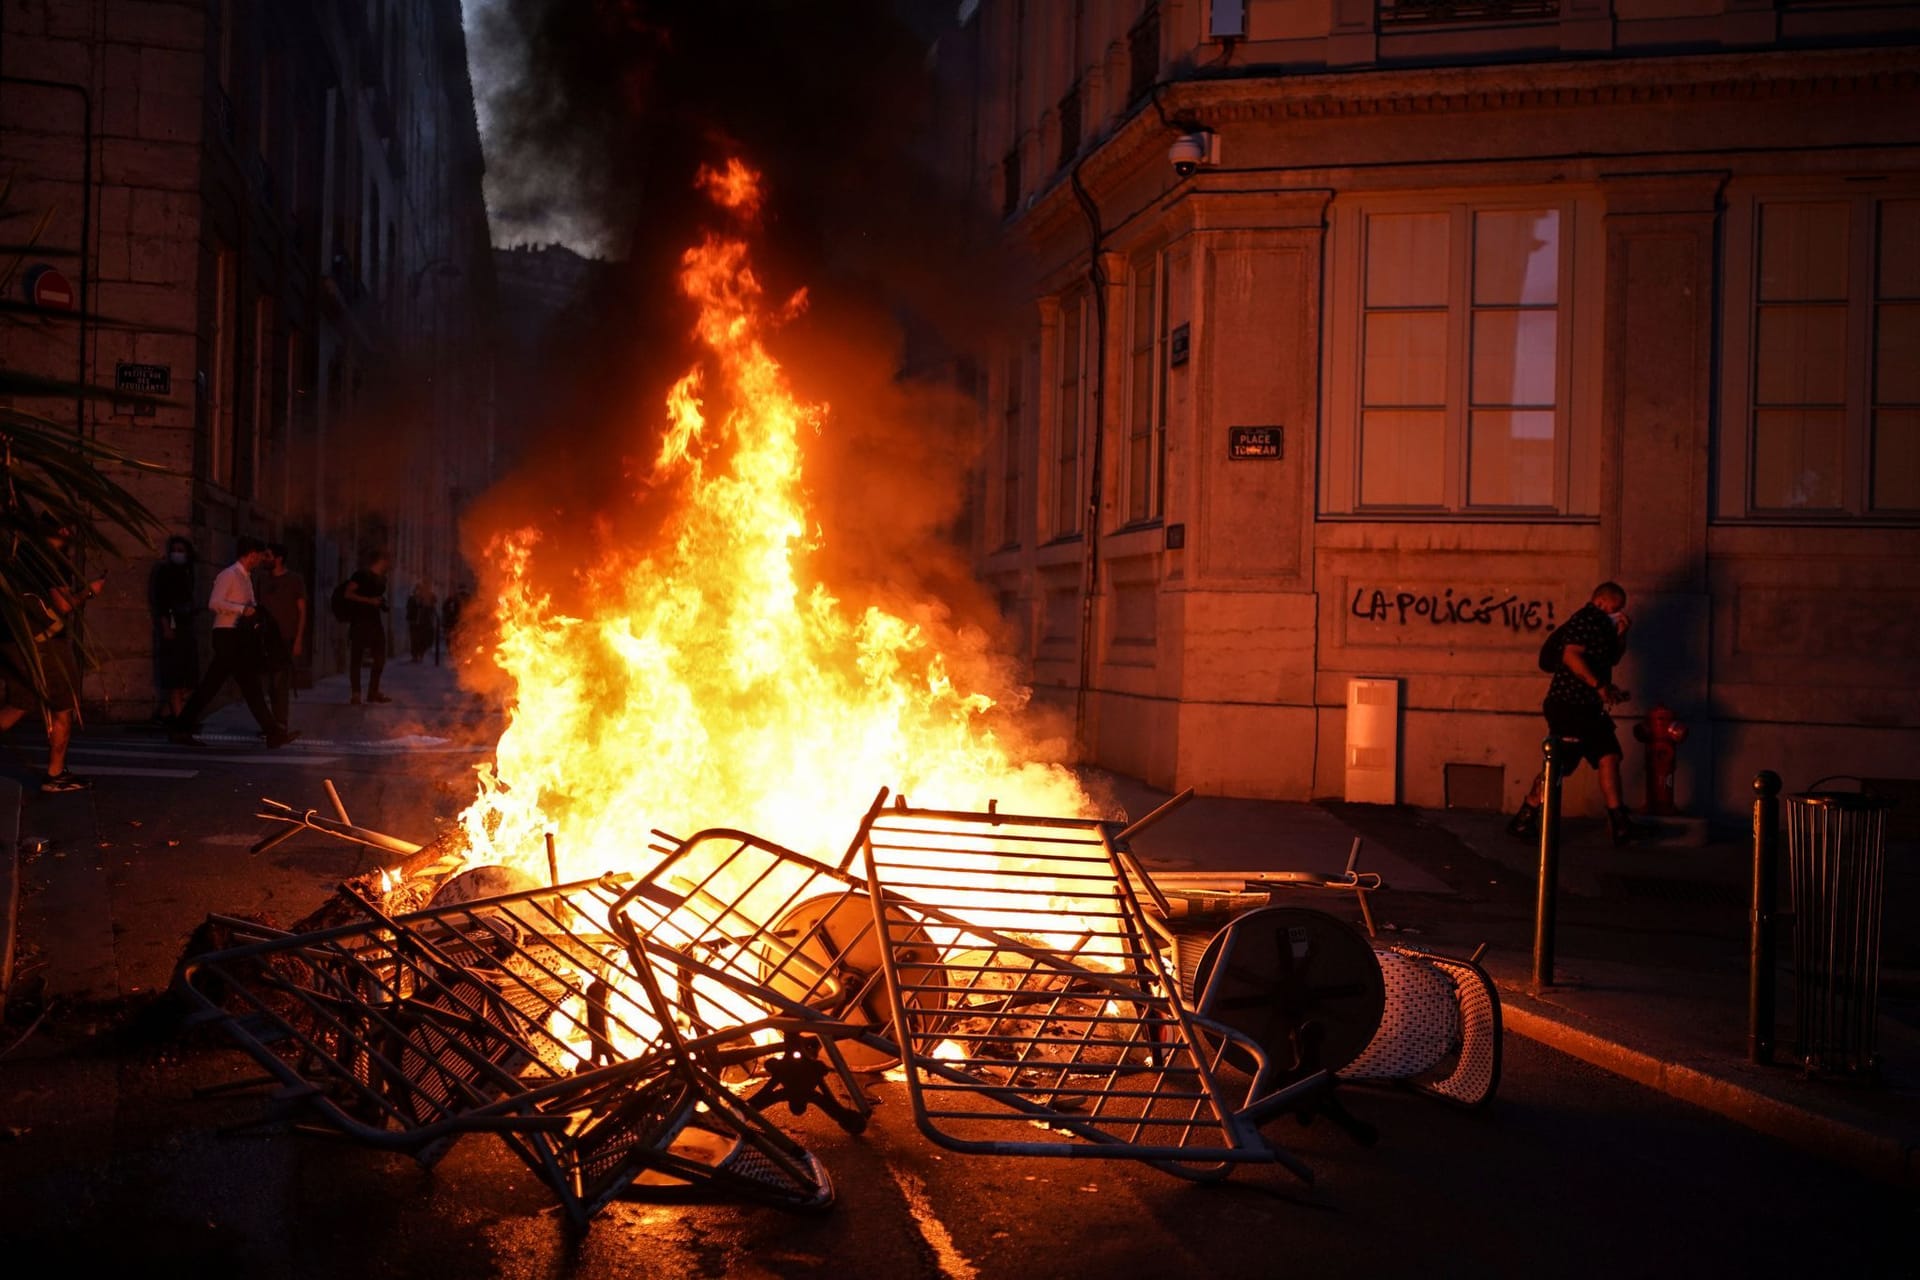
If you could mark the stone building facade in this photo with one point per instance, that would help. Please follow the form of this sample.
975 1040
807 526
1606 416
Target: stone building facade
1450 312
283 287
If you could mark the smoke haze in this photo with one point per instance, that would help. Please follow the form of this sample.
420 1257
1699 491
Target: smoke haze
598 116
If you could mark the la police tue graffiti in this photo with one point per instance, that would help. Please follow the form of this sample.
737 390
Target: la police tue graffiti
1446 609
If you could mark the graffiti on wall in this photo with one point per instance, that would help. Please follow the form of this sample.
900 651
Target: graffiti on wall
1452 608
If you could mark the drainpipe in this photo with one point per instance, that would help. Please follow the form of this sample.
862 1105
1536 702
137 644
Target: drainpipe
1090 571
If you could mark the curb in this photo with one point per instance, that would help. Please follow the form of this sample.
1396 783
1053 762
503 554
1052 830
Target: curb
1881 1155
10 800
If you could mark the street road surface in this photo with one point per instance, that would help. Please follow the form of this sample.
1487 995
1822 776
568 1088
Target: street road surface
112 1165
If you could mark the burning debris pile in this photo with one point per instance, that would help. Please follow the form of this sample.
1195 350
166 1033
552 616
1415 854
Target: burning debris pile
1035 988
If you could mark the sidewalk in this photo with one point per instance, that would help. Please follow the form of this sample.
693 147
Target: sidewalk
1651 972
130 867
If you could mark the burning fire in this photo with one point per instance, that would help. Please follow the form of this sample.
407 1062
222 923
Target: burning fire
708 683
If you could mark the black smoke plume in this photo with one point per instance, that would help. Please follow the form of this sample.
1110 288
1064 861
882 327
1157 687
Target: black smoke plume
601 112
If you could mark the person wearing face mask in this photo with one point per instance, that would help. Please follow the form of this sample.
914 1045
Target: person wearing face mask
1581 653
176 650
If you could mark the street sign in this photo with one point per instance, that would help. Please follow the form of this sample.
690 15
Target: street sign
49 289
136 386
1177 344
1253 442
143 379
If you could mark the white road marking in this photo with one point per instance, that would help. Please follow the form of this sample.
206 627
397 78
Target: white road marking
188 753
953 1263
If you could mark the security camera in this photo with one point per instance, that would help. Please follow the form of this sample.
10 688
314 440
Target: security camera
1192 151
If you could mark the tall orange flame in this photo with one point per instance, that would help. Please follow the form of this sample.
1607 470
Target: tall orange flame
707 685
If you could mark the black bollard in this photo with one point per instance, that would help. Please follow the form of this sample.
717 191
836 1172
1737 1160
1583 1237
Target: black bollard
1547 899
1766 864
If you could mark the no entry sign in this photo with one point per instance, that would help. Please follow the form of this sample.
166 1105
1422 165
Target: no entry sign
49 288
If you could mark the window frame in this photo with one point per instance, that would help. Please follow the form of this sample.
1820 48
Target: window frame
1152 437
1735 431
1013 408
1070 394
1580 326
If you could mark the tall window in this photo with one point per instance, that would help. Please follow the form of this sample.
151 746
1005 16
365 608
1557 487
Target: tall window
1143 53
221 392
260 432
1822 403
1453 360
1145 392
1069 417
1069 117
1010 421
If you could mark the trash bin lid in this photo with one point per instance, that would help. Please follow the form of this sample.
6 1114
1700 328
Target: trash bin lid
1844 801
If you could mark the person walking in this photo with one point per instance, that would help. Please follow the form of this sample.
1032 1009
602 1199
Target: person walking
53 596
1581 653
423 620
176 650
366 596
450 617
283 595
236 650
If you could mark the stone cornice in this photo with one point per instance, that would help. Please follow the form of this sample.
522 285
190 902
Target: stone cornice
1583 83
1141 139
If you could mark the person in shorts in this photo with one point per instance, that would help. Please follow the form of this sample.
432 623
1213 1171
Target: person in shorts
1578 701
53 594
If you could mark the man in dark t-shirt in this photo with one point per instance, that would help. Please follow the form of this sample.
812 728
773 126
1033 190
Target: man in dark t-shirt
1590 643
367 629
282 594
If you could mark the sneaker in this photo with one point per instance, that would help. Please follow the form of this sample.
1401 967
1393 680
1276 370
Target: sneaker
1625 830
55 783
378 697
282 738
1525 825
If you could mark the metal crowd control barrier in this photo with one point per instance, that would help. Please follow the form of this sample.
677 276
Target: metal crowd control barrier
519 1016
1836 861
1042 994
1032 1011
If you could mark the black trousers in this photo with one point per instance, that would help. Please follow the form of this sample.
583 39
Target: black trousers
232 658
368 641
280 682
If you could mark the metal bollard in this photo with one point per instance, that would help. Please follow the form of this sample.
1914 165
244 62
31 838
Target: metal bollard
1766 870
1546 900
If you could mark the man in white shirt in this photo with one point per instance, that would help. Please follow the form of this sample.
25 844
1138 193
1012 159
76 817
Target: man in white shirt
236 653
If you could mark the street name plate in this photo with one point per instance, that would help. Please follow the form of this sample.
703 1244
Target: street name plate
143 379
1253 442
136 386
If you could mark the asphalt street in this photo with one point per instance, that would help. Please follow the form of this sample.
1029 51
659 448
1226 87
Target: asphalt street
114 1155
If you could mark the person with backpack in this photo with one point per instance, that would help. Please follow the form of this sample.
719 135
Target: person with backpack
363 598
1581 654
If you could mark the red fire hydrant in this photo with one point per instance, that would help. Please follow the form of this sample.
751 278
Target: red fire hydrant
1662 734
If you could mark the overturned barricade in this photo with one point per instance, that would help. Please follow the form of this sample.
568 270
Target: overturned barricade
1037 991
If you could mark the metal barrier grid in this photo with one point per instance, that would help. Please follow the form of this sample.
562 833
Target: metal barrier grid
1024 988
